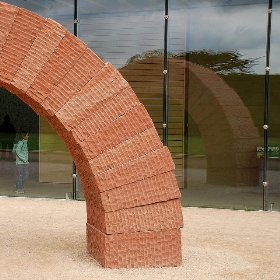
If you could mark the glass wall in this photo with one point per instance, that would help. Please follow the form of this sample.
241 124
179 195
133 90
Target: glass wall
216 63
50 165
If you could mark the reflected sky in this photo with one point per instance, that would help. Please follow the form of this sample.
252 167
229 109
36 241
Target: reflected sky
118 29
234 28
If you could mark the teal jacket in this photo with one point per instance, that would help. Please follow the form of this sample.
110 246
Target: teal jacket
22 152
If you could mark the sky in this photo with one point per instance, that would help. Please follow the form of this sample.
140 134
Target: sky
236 28
116 30
231 28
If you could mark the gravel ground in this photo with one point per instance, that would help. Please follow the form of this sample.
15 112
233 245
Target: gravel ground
45 239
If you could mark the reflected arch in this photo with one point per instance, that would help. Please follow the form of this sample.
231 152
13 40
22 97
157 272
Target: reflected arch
229 134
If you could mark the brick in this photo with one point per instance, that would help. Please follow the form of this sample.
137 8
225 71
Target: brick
104 86
133 122
42 48
246 160
8 14
32 102
156 162
141 249
88 65
198 93
103 115
92 195
237 125
233 177
140 144
204 112
246 144
161 187
24 31
83 126
79 157
152 217
61 61
59 128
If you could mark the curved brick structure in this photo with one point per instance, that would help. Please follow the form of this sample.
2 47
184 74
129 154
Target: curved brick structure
133 202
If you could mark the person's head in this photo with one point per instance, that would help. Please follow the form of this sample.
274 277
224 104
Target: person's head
24 135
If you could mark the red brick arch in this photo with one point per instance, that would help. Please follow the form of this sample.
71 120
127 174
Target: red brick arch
133 202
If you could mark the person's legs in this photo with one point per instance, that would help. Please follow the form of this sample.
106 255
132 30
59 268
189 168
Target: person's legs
25 173
22 175
19 177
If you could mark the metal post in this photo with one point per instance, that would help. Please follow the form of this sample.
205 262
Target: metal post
76 21
165 79
266 105
74 182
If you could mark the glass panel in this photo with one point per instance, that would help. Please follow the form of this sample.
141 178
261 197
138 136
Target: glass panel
225 101
22 117
116 35
50 165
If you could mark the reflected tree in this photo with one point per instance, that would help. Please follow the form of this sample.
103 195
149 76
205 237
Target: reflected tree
223 63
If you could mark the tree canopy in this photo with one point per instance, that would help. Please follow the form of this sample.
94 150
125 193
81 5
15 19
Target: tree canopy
224 63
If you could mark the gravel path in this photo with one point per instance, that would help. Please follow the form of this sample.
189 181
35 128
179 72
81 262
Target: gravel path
45 239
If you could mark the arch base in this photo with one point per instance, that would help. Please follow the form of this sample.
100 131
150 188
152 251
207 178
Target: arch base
137 249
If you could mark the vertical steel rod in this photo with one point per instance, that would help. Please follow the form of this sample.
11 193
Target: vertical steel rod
76 21
74 182
165 78
266 106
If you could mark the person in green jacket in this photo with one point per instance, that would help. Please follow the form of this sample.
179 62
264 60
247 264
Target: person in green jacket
22 162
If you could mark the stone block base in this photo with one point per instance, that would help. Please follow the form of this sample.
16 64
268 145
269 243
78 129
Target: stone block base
138 249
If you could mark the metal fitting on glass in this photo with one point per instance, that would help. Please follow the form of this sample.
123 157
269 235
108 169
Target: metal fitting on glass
269 11
166 16
74 176
164 125
164 72
267 69
265 184
265 126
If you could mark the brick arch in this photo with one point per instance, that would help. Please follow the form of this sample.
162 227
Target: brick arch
134 213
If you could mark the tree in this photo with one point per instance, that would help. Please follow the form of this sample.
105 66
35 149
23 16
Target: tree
224 63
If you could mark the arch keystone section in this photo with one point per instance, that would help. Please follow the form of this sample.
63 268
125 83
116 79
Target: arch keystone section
134 213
